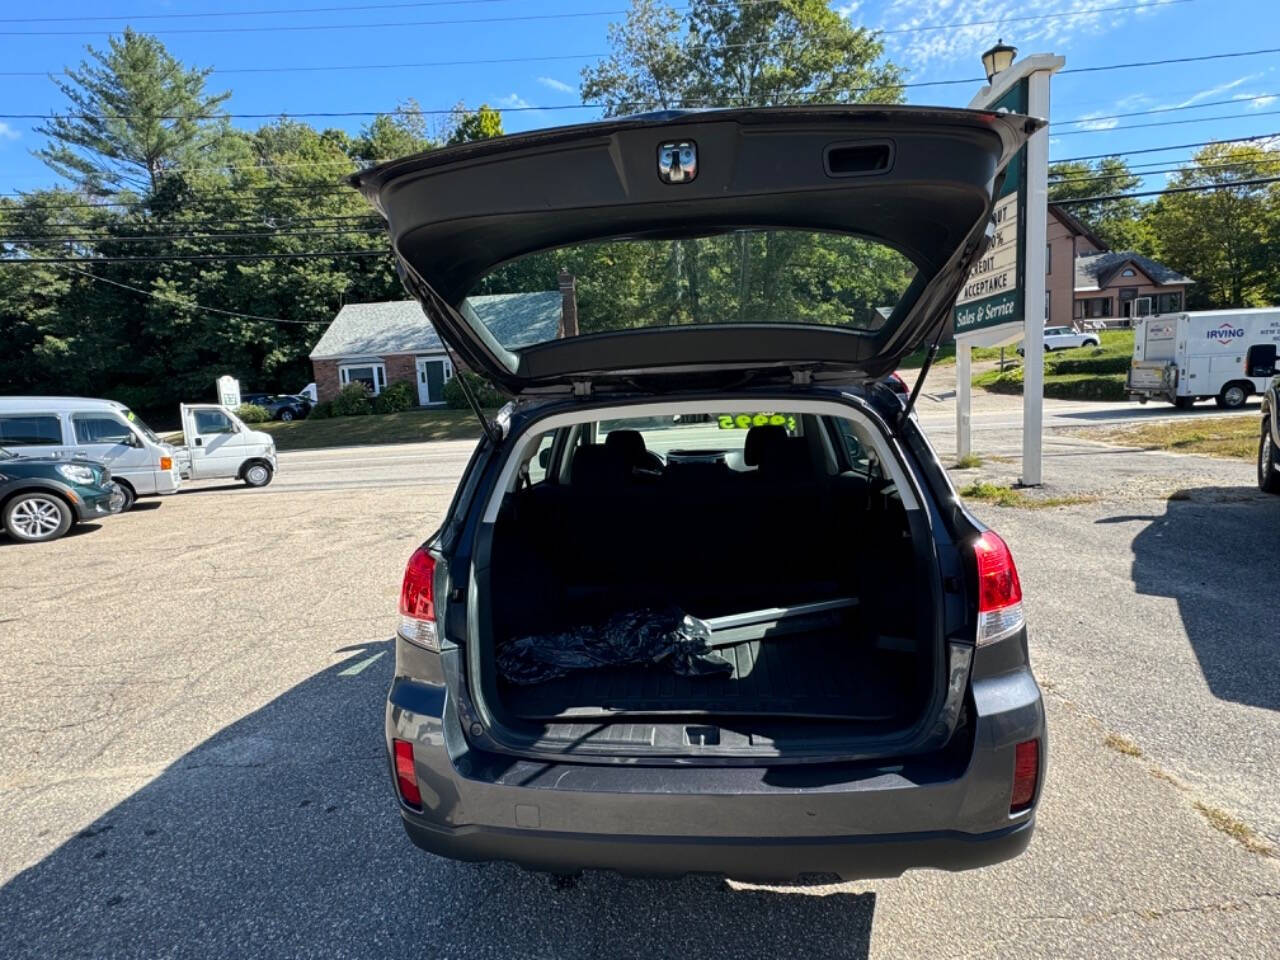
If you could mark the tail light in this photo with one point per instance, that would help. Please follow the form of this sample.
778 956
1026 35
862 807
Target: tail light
1026 771
406 776
999 590
417 601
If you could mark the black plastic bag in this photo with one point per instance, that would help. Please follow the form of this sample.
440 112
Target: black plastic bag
650 636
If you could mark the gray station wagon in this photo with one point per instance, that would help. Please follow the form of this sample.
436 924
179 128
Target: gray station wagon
705 599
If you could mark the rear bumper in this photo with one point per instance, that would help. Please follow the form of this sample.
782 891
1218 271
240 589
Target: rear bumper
744 858
949 811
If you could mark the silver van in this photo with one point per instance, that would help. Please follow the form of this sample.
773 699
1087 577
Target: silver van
101 430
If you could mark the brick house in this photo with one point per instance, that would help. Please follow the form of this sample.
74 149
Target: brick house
1085 280
381 343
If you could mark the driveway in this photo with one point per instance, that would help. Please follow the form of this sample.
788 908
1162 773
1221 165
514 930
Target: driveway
191 761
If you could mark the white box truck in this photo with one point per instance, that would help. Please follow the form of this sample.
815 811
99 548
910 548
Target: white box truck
1184 357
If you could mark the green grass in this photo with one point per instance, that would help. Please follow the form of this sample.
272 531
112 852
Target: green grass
411 426
1095 373
968 461
1003 496
1235 438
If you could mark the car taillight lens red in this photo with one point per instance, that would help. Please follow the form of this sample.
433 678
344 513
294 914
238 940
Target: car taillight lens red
417 600
406 776
999 590
1026 771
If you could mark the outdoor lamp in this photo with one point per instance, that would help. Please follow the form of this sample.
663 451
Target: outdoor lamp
998 58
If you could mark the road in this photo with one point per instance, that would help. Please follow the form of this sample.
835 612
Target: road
191 760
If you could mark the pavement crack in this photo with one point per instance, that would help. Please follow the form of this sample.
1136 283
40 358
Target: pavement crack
1101 916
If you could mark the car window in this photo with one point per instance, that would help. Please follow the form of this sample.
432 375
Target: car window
860 450
100 428
31 430
774 276
537 472
213 421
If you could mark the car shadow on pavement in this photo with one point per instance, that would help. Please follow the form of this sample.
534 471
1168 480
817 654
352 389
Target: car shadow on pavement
1214 552
278 836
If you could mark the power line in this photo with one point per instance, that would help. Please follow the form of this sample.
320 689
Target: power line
312 27
237 235
201 257
345 8
513 18
1143 174
1171 123
1182 106
1175 146
1255 182
182 303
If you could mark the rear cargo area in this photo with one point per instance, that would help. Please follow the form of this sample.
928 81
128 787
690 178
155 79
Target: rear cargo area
807 576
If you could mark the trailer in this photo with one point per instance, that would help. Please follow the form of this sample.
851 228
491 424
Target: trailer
1226 355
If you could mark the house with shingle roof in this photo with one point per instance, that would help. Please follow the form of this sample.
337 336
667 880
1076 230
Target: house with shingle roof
1085 280
378 344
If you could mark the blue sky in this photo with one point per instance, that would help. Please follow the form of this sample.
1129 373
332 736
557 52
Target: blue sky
1085 35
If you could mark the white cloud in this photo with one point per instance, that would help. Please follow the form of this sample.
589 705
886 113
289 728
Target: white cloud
1214 91
513 100
555 84
849 9
1257 100
933 32
7 132
1103 121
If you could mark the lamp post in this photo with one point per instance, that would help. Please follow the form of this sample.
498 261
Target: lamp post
1000 57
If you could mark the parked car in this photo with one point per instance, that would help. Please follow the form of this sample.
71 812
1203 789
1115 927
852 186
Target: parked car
255 399
658 667
309 392
286 407
1269 439
42 497
1065 338
104 431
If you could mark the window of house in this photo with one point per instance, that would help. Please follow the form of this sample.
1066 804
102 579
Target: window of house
1048 258
101 429
31 431
372 375
1168 302
1093 308
1127 272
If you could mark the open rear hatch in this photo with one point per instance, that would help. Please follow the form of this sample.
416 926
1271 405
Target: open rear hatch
915 181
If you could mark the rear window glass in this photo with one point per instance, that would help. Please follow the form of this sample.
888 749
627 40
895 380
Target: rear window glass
745 276
30 430
695 437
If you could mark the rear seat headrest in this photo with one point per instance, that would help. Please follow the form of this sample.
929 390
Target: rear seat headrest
594 465
763 443
627 444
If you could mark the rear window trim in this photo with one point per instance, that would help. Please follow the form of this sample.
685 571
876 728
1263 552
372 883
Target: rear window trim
535 429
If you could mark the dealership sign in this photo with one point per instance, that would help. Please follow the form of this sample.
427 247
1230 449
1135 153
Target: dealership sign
992 295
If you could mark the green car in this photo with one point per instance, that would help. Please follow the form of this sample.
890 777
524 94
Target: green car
41 497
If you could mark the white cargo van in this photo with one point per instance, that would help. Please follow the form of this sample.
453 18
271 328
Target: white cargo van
103 430
1185 357
218 444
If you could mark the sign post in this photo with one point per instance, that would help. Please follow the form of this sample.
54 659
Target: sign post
1003 299
229 392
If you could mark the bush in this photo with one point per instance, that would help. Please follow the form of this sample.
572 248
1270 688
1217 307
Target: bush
252 413
484 391
352 401
321 411
396 398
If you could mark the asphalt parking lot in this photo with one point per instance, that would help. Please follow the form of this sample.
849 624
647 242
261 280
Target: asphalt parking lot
191 761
